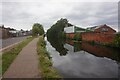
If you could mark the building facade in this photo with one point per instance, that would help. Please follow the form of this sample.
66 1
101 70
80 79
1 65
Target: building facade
99 34
10 32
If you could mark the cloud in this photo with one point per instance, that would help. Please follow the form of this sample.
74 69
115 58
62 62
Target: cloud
25 14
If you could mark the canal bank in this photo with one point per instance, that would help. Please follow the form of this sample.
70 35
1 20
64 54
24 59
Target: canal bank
45 65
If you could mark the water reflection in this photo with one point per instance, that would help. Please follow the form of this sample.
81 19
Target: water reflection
62 46
97 50
82 60
58 44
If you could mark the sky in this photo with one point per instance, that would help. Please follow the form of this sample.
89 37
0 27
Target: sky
22 14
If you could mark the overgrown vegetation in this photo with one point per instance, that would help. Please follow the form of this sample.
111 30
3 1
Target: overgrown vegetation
9 56
45 66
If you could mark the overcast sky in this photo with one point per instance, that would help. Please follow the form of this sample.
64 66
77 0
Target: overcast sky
23 14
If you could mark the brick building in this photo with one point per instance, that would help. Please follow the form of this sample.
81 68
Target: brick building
102 29
100 34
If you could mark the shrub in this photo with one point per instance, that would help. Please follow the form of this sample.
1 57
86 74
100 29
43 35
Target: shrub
77 37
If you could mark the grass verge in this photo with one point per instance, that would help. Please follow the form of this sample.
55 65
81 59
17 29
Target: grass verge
46 69
9 56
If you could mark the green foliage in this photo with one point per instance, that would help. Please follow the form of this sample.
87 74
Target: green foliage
37 29
45 63
55 35
57 29
77 37
116 42
9 56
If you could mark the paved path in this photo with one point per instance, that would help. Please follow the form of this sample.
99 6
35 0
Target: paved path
26 63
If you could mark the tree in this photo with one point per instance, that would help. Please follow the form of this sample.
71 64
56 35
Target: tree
57 29
37 29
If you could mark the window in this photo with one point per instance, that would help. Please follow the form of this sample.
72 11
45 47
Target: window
104 29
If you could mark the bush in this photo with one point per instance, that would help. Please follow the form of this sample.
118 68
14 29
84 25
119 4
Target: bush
77 37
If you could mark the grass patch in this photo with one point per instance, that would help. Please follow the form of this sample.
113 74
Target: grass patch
46 69
9 56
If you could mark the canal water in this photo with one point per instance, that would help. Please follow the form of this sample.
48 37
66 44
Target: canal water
83 60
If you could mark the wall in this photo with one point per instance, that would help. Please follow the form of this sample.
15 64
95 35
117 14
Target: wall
98 37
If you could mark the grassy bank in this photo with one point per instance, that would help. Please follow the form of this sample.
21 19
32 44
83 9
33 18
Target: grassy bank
9 56
45 66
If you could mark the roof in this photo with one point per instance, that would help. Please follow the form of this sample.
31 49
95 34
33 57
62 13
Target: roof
91 28
96 27
78 28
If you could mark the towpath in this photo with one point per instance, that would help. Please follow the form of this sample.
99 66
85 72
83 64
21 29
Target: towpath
26 63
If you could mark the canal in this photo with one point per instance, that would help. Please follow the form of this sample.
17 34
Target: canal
74 59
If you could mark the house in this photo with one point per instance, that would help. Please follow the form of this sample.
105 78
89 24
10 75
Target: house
4 32
12 32
102 29
24 33
99 34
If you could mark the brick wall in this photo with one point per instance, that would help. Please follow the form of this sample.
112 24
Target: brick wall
94 36
98 37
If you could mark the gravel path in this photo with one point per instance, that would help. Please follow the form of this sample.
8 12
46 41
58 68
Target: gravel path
26 63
